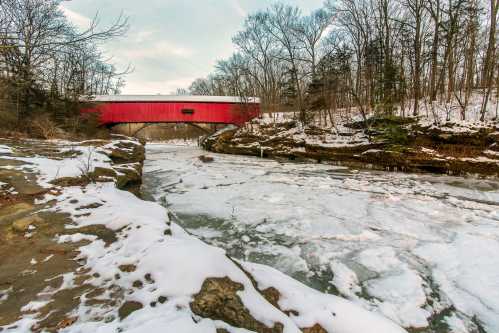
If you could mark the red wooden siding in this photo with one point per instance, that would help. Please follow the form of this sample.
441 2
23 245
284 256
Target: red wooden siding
171 112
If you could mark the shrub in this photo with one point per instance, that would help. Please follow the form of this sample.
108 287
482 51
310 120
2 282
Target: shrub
396 134
87 125
44 127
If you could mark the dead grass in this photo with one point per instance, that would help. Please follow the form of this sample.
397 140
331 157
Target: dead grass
458 151
44 127
446 149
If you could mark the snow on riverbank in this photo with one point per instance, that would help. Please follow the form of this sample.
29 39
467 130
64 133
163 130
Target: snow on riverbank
159 269
447 116
83 159
391 142
176 142
5 149
313 307
416 248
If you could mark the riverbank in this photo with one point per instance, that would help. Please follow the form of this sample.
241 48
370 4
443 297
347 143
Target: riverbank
395 144
81 252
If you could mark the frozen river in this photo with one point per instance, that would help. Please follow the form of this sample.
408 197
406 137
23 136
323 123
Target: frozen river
421 249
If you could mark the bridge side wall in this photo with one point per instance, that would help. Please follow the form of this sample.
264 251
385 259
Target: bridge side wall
175 112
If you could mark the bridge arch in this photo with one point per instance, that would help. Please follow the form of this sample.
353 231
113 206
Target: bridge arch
147 125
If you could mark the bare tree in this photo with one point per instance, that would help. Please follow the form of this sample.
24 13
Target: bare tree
310 31
416 21
490 61
45 59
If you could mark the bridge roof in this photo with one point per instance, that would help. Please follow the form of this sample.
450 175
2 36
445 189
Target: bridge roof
172 98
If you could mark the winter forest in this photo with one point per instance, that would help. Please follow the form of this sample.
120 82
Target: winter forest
389 57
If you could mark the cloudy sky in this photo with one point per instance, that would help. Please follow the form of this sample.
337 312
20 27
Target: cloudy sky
171 42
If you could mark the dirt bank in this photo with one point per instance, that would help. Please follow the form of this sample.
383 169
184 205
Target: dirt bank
41 275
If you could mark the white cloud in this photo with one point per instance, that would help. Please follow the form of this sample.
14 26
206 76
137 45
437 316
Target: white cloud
143 35
77 19
158 50
135 87
236 5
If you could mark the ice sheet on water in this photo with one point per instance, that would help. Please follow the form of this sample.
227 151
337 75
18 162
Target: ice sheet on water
398 288
332 217
466 270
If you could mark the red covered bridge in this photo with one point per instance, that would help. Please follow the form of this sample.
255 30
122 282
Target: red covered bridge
117 109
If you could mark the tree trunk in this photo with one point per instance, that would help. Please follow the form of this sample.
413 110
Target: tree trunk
490 60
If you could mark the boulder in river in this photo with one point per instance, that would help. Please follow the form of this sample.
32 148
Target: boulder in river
206 159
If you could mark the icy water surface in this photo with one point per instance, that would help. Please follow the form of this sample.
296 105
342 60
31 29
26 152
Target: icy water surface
421 249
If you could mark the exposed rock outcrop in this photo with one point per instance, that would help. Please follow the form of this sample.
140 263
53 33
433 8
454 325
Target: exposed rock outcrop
127 156
218 300
387 145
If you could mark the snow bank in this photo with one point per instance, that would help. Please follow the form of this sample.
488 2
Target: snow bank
85 160
5 149
333 313
180 263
